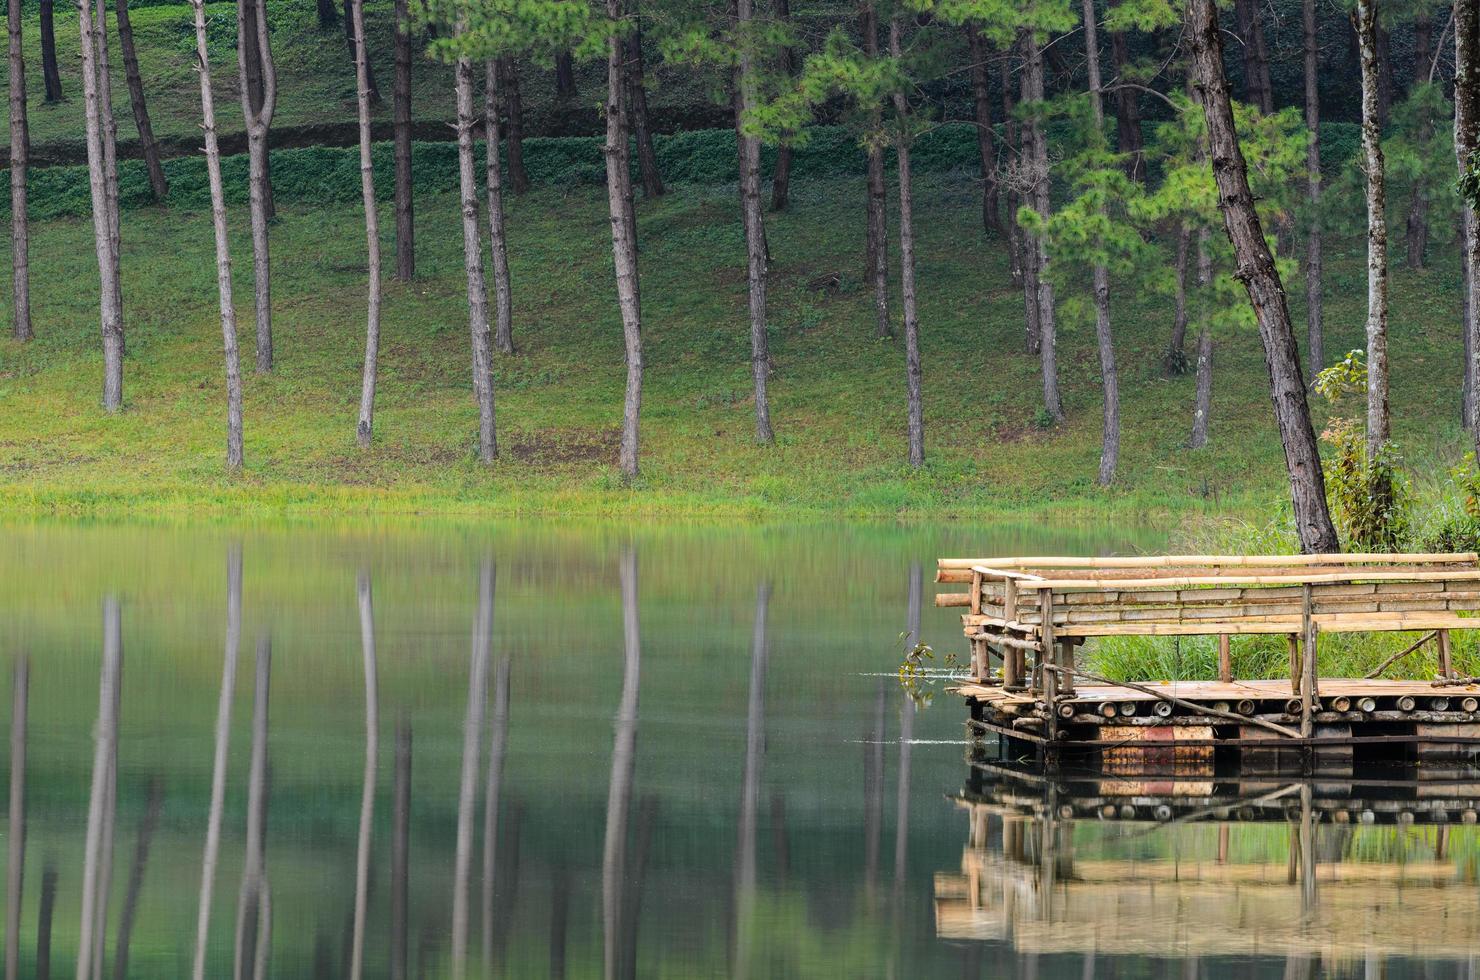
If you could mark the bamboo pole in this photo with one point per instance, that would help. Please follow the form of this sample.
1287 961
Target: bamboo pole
1225 659
1401 654
1445 656
1229 561
1193 706
1308 682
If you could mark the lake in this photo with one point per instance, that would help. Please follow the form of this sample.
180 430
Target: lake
629 751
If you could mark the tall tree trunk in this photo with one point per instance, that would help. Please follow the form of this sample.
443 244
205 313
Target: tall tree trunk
15 855
401 111
401 852
755 227
1177 349
158 186
259 102
986 143
786 66
1127 110
624 240
372 233
1315 331
1417 228
614 860
1012 146
101 799
876 264
637 107
1109 377
1466 141
565 75
1256 270
1037 143
351 36
1379 423
1203 409
372 749
514 108
473 265
20 156
223 720
1258 91
503 337
467 796
223 246
907 264
50 76
110 144
110 305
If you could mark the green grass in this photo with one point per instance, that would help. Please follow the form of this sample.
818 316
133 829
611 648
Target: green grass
838 393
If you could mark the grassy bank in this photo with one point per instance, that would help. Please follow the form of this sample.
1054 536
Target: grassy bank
838 393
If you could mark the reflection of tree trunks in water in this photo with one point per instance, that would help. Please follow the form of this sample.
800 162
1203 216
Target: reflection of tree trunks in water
755 749
251 908
493 782
619 792
906 732
400 849
218 766
136 877
97 850
642 839
43 921
467 793
16 851
873 795
367 796
559 911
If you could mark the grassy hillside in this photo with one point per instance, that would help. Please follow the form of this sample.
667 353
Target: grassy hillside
838 394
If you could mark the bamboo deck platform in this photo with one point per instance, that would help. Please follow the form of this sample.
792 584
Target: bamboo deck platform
1025 617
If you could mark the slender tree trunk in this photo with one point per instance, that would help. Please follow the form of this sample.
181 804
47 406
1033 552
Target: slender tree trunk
250 941
1012 147
401 99
401 852
1258 91
223 740
985 138
473 266
1127 110
624 241
1417 228
223 246
110 307
1256 270
1379 424
514 107
1466 141
259 102
1315 331
498 741
20 156
503 337
1038 168
158 186
15 857
907 265
637 107
744 930
351 34
877 254
372 233
372 752
44 914
105 754
755 228
110 141
1202 412
467 796
565 75
786 66
614 863
51 78
1109 377
135 886
1178 347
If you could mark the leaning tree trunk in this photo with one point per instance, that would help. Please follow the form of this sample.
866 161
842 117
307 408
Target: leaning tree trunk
20 156
1416 231
110 307
1315 332
503 337
51 78
158 186
637 106
1202 412
1379 423
755 228
514 108
352 34
1109 377
1466 141
473 265
1256 270
624 242
223 245
985 140
257 111
907 266
1037 141
401 113
877 253
786 66
372 232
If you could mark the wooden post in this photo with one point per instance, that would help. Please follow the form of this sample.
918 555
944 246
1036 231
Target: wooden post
1446 669
1308 682
1294 642
1045 634
1012 672
1066 660
1009 600
976 593
981 660
1225 659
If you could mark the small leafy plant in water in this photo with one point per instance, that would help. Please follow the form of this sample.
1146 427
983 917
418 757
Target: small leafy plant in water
914 677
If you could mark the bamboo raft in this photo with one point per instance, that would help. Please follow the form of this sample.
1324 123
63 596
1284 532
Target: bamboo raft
1024 618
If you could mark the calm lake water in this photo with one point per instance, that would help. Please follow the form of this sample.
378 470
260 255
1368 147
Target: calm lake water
684 755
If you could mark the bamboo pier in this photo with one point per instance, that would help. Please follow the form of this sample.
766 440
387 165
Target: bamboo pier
1025 619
